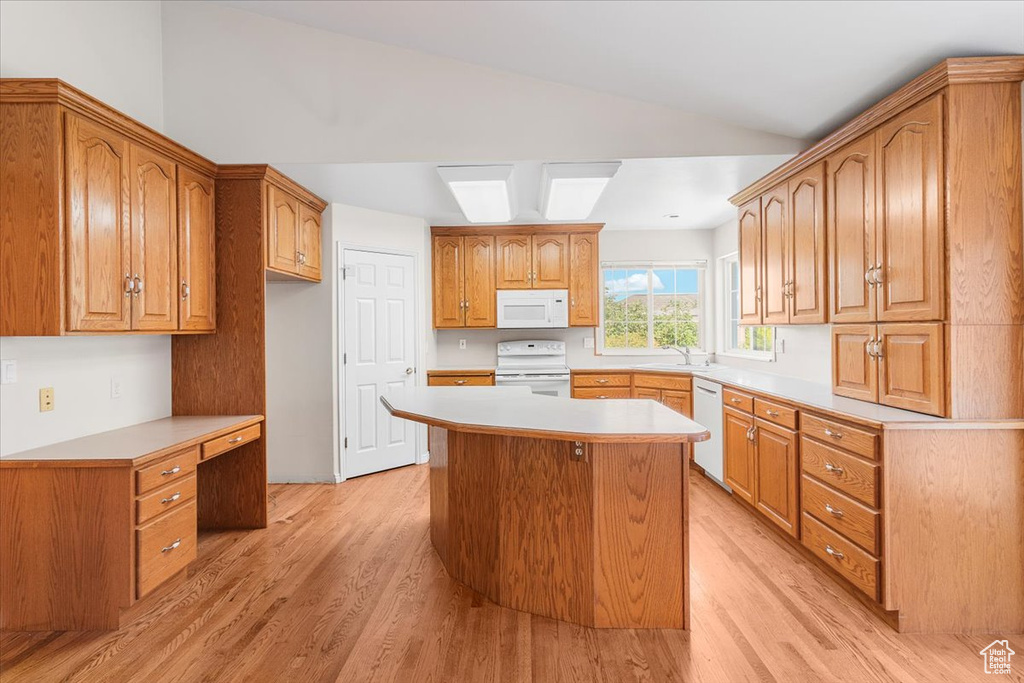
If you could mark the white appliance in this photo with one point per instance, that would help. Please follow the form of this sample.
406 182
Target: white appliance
538 364
707 411
533 308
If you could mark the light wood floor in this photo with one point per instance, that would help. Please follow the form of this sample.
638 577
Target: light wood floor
344 586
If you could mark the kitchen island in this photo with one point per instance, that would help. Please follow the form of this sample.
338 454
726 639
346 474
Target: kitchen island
570 509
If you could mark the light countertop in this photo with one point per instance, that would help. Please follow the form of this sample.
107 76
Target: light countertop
130 445
517 411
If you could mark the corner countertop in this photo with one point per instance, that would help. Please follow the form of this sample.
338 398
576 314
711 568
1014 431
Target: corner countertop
516 411
131 445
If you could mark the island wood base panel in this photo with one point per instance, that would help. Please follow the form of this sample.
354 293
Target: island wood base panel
597 537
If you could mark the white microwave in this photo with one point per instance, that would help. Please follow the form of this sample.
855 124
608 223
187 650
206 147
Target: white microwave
533 308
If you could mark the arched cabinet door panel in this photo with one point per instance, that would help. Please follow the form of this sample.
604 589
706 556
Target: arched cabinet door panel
850 184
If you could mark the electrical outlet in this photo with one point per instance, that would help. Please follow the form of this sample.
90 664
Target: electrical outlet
9 372
462 344
588 342
115 387
780 345
45 399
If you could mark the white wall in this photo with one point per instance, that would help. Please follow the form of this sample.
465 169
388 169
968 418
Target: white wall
241 87
802 351
112 50
80 370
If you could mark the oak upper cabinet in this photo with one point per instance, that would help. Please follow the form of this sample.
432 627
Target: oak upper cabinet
851 231
309 256
912 366
104 224
99 278
154 238
514 263
750 262
550 261
197 236
776 256
909 269
584 281
481 309
739 453
448 279
808 273
854 366
777 473
282 231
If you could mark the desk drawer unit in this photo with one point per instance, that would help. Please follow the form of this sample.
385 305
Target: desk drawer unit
171 468
230 441
172 496
165 547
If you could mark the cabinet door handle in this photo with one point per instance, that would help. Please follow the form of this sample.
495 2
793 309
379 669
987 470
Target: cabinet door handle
176 496
878 348
834 435
834 553
869 348
171 547
869 277
876 274
129 285
572 303
173 470
834 469
138 285
835 512
185 290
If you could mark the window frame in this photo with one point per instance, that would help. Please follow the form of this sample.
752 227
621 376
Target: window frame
725 316
703 331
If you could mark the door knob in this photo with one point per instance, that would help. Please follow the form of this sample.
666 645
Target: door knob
409 371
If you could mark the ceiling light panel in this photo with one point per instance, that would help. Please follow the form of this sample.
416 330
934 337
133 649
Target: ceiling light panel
569 192
484 193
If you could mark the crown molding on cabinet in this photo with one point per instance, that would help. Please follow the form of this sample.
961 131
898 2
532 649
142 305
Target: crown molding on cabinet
532 229
271 175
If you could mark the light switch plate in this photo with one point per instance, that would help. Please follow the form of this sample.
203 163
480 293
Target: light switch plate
115 387
588 342
45 399
8 372
462 343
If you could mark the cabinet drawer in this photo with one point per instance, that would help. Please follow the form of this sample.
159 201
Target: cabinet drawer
656 381
611 392
840 470
229 441
461 381
853 439
177 466
610 380
738 400
775 412
857 522
165 547
855 565
172 496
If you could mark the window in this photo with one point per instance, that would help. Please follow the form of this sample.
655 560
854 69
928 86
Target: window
650 306
751 341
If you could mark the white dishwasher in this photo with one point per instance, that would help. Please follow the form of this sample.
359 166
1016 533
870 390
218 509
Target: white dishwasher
707 411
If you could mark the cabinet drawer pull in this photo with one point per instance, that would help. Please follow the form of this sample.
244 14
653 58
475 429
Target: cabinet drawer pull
169 548
601 396
834 469
460 382
173 470
736 400
771 413
834 553
834 435
165 501
833 511
236 439
602 381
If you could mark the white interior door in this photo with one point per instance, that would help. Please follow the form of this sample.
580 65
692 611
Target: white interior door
379 321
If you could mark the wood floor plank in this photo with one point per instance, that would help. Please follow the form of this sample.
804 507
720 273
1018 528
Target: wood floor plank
344 585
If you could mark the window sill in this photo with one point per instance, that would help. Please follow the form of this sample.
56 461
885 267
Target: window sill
765 358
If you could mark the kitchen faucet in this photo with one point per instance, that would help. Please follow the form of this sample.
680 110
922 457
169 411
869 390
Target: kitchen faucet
684 350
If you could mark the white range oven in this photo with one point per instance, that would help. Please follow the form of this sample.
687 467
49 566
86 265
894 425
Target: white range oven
537 364
533 308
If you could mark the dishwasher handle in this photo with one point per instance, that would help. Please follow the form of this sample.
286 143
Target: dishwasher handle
706 390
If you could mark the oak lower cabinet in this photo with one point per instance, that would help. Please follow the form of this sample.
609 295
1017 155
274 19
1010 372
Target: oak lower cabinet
463 281
674 392
738 446
106 224
902 365
762 458
460 378
776 472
